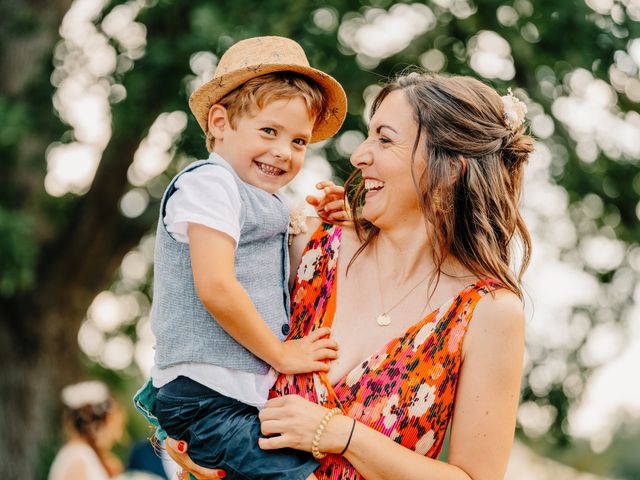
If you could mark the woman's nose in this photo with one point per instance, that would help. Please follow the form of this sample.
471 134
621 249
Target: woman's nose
361 156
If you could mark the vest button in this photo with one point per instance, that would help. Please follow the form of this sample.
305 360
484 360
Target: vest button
285 329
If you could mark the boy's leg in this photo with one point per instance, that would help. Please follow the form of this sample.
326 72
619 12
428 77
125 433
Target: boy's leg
223 433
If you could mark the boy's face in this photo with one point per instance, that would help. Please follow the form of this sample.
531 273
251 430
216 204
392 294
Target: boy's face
267 147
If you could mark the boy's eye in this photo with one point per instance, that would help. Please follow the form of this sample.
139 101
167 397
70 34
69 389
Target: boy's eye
268 131
300 141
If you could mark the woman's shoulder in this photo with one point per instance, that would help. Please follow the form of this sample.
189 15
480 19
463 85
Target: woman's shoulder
72 461
498 317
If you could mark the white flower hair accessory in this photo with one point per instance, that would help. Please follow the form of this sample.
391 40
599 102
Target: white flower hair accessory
85 393
297 220
514 110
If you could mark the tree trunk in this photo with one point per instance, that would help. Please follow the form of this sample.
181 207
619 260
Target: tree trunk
34 365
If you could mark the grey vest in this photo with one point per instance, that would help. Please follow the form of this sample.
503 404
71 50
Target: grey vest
184 329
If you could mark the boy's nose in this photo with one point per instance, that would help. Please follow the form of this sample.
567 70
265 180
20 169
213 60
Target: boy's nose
282 152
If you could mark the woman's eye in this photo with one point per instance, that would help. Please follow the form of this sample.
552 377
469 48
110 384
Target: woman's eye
384 140
268 131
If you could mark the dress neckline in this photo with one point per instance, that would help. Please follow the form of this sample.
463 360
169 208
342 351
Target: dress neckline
329 314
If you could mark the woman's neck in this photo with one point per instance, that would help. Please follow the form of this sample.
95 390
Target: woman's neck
403 253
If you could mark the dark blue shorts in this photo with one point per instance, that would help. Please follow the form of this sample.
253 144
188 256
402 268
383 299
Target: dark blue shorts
223 433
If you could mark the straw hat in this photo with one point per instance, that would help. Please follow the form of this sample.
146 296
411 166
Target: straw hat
258 56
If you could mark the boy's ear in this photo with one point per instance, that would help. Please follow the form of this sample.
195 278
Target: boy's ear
217 121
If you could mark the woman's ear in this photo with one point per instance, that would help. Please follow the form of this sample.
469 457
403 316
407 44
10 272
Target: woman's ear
218 121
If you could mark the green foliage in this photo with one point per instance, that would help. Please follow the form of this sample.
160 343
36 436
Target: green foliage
14 122
18 248
36 229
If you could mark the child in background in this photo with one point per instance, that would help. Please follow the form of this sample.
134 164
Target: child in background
221 303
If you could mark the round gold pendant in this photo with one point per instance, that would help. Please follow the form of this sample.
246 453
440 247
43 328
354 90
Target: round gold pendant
383 320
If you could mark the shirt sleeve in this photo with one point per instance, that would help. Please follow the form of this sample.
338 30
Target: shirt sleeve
207 196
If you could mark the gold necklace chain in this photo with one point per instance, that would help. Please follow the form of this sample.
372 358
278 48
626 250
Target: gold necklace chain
384 319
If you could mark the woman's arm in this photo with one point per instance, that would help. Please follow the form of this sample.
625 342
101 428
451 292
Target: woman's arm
483 418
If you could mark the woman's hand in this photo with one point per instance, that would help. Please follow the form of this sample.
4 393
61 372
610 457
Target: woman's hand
332 206
180 456
293 422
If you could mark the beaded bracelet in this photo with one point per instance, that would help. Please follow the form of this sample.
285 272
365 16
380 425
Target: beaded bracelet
315 443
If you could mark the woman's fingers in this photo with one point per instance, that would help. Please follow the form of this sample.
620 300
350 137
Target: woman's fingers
326 343
334 206
319 333
326 354
178 455
331 199
313 201
274 403
271 427
183 459
271 443
320 367
325 184
339 216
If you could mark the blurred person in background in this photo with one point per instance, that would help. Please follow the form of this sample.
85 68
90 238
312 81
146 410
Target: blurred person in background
93 423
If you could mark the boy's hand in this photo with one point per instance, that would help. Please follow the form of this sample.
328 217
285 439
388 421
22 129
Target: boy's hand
307 354
332 206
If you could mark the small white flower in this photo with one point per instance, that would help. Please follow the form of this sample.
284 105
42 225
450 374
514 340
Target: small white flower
308 264
422 400
355 374
514 110
389 418
85 393
335 246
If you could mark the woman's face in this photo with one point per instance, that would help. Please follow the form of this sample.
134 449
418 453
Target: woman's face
384 159
113 428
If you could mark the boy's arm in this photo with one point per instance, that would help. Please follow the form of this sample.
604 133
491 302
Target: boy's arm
212 263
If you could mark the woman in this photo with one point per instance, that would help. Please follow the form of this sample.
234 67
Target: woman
93 422
427 266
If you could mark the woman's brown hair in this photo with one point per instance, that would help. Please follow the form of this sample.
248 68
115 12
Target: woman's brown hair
85 421
470 185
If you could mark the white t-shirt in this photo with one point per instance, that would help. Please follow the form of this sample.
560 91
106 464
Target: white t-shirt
209 196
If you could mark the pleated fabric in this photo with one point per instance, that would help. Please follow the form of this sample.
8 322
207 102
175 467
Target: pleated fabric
406 389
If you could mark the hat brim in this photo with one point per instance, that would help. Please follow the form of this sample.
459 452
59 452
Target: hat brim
211 92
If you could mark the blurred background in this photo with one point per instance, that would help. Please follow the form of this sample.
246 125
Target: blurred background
94 122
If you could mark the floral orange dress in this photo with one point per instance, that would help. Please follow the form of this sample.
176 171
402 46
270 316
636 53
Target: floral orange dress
406 389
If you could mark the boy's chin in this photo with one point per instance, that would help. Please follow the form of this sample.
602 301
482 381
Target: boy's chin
267 183
268 186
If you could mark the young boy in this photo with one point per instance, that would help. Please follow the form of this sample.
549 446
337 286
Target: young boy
221 305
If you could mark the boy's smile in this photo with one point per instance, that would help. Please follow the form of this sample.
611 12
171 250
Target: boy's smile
267 147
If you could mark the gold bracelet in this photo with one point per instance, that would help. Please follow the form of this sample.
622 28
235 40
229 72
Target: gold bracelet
315 443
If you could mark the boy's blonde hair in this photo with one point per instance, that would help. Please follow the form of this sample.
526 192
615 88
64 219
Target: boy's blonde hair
260 91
